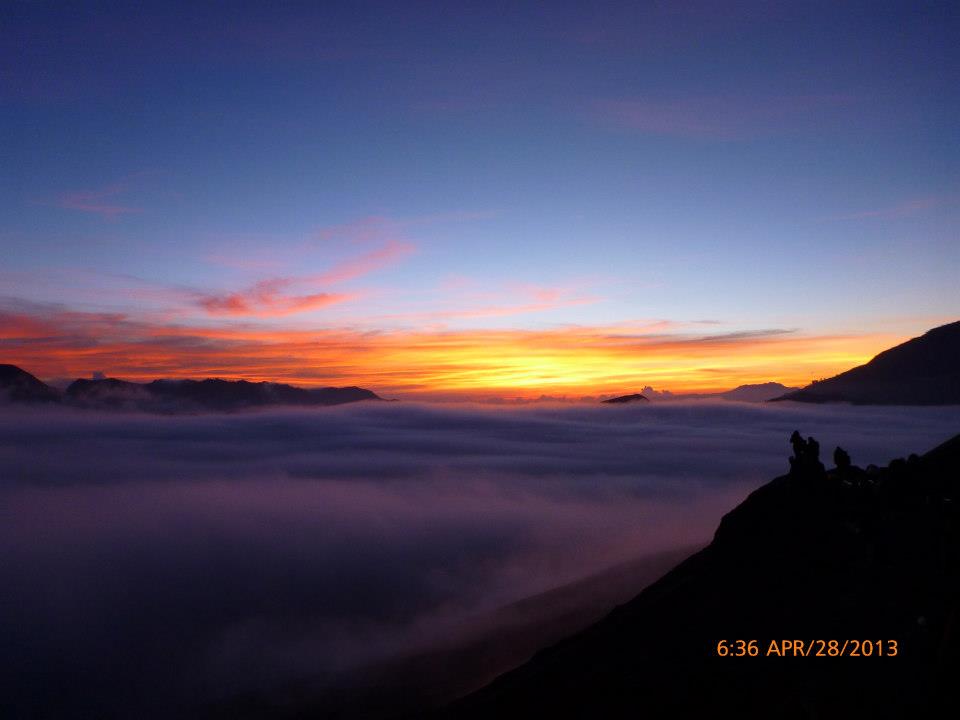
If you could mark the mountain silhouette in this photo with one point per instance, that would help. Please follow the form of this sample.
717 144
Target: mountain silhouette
18 385
921 371
758 392
847 554
636 397
105 393
211 394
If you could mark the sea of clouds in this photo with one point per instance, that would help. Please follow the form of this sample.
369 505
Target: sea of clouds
154 563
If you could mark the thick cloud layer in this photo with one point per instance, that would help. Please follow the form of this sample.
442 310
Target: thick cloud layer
155 563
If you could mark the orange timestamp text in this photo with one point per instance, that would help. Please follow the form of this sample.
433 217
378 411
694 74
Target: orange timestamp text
808 648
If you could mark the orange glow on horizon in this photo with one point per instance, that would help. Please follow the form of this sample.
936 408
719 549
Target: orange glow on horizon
468 364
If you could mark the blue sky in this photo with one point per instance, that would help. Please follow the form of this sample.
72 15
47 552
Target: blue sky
760 165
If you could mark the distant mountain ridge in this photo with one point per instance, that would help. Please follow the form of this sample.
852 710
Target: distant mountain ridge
758 392
17 385
921 371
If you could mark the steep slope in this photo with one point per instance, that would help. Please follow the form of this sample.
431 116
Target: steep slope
18 385
921 371
464 658
846 555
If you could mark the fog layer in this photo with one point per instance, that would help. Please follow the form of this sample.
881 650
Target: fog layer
152 564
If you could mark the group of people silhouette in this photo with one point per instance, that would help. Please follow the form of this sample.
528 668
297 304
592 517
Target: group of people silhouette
806 457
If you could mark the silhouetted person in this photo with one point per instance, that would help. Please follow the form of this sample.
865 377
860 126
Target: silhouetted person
799 450
796 440
841 459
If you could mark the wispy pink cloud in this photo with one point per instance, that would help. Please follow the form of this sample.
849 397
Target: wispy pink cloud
378 228
388 236
259 252
718 118
390 252
374 228
279 296
266 288
903 209
100 201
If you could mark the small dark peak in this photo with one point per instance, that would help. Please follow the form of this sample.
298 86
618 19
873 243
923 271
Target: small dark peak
19 386
636 397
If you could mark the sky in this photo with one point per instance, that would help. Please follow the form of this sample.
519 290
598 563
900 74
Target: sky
476 199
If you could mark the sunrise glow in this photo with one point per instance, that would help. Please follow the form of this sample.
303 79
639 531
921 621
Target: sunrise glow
465 364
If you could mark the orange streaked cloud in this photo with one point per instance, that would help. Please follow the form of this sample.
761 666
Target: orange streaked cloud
277 297
268 299
570 361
